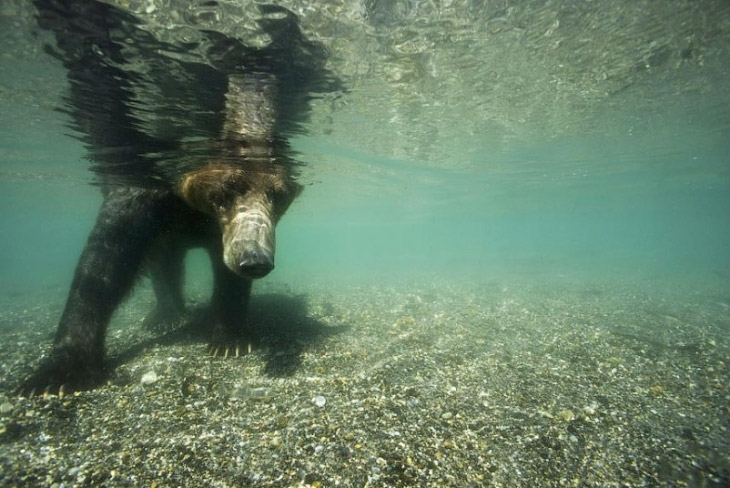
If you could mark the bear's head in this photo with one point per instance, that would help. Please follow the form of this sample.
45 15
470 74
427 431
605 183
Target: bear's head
247 202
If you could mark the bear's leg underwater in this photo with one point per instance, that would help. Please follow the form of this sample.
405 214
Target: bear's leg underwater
128 223
229 305
165 266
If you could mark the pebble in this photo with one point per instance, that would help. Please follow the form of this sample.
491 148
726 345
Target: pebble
148 378
259 394
566 415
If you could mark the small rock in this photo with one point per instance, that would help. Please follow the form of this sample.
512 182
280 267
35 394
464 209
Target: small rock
566 415
259 394
148 378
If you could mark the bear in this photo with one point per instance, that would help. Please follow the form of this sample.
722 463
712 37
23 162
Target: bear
163 193
230 211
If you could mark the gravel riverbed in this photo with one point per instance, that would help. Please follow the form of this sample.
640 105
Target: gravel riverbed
444 384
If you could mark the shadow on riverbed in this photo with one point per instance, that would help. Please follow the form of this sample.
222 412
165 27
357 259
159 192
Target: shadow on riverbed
280 323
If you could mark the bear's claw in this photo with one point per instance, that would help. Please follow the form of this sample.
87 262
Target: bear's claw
61 373
48 391
234 350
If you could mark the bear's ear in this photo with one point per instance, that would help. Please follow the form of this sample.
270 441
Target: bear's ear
207 189
285 195
297 189
293 191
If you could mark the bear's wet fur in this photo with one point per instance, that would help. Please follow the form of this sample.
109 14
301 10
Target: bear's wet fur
152 228
227 200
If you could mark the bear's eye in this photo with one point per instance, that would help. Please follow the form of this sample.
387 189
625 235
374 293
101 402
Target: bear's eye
235 185
220 198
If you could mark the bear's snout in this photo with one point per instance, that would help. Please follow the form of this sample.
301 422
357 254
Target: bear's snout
249 244
256 263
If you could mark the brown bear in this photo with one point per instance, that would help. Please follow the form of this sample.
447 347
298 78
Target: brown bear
229 209
138 109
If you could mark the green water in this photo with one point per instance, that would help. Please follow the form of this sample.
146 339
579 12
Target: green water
490 142
578 215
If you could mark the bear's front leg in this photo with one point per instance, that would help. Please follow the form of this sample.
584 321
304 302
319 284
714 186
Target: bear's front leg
128 221
231 335
166 270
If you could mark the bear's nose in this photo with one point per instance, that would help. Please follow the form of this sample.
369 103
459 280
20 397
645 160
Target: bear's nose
256 263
